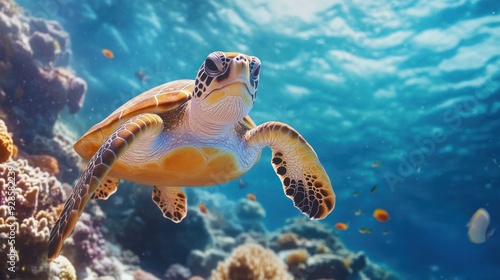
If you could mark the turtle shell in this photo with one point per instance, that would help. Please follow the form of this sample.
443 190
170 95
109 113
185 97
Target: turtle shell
160 99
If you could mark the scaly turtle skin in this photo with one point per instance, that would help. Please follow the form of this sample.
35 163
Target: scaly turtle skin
193 133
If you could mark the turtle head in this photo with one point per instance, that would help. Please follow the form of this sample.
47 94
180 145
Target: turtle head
226 86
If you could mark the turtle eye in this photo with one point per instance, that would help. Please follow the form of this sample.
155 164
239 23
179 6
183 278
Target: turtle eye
255 68
213 65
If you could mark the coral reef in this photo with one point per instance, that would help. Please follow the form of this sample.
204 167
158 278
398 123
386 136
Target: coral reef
61 269
7 148
177 272
202 263
295 258
318 234
324 267
30 203
143 275
87 246
46 163
287 240
250 214
59 146
154 236
36 85
252 262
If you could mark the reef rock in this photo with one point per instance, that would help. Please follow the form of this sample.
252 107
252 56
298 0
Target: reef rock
59 146
36 83
250 214
251 262
326 267
150 236
202 263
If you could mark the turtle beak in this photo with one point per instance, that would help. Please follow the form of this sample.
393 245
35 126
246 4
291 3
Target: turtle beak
234 83
235 89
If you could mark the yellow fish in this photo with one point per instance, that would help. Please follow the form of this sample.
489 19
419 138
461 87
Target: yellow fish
364 230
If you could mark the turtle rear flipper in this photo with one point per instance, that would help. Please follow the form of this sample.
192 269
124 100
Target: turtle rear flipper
96 170
106 188
172 202
303 177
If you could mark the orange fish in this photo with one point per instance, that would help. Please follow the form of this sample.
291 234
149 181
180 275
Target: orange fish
251 196
381 215
376 164
107 53
341 226
203 208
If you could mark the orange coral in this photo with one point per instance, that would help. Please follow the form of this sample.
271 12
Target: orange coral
287 240
251 262
296 257
45 163
7 148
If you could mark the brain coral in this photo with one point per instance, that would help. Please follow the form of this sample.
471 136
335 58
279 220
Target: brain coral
29 204
251 262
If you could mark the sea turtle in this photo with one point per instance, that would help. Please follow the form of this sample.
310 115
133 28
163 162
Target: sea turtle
193 133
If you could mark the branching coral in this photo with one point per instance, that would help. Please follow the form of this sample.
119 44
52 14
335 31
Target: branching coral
30 201
251 262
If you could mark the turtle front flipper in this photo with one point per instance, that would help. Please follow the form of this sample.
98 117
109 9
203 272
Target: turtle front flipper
97 169
304 179
172 202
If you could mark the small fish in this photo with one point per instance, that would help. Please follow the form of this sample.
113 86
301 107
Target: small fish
203 208
374 188
107 53
141 76
355 194
375 164
19 93
381 215
358 212
365 230
341 226
479 227
57 46
386 232
251 196
242 183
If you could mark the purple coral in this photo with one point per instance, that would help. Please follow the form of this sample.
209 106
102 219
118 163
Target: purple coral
76 94
87 245
43 46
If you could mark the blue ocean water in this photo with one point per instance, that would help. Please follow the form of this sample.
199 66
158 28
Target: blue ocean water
414 85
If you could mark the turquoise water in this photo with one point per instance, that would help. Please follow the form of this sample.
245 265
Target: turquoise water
412 84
